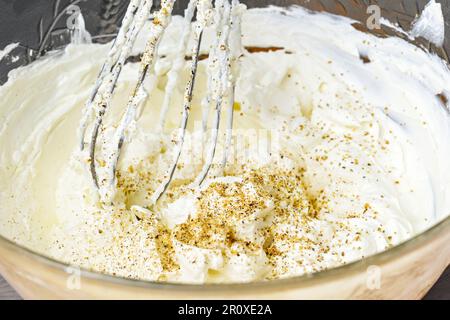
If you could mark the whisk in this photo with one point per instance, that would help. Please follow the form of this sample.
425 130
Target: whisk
225 18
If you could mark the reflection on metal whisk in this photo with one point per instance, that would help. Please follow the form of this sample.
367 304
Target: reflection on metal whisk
222 72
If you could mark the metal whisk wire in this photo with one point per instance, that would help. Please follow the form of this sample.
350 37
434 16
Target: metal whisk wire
221 78
138 12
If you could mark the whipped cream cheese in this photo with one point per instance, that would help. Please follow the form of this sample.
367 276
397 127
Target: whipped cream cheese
430 24
345 155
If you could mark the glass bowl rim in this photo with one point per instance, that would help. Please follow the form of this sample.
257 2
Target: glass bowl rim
297 282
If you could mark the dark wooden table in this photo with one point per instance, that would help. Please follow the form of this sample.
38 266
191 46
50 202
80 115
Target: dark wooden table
440 291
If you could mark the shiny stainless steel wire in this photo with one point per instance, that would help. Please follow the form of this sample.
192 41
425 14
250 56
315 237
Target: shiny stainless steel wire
224 16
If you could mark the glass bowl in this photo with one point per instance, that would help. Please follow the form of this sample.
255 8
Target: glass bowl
406 271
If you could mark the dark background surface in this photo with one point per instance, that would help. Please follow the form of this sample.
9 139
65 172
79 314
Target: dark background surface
31 22
20 19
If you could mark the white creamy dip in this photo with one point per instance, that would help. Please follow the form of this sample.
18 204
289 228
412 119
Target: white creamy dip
353 142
